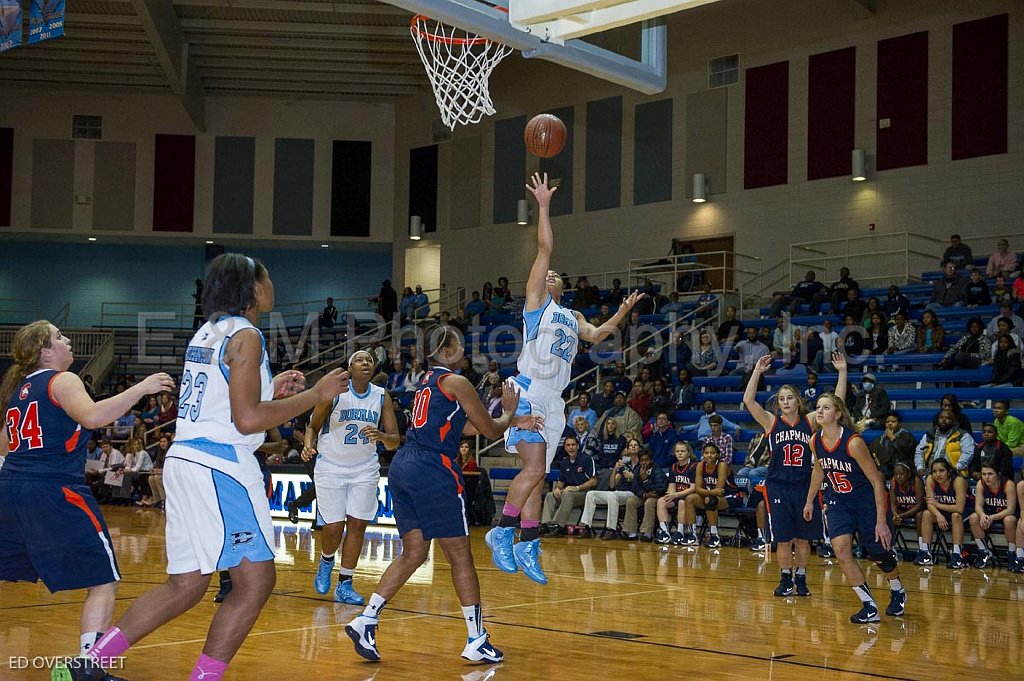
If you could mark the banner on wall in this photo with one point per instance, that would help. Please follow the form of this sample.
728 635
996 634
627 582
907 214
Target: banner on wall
10 24
45 20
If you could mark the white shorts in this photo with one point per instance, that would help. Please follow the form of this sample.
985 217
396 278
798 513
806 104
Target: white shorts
335 501
542 402
215 517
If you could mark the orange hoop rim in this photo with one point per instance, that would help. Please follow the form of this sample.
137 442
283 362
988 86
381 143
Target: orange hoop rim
434 37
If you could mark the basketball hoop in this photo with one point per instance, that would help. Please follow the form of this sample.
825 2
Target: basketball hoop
459 64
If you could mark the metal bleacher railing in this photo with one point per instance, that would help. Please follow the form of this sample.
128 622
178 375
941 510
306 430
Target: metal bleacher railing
875 259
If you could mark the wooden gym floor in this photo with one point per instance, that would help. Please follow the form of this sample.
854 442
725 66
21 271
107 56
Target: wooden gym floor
613 610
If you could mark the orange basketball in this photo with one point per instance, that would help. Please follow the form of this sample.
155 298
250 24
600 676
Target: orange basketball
545 135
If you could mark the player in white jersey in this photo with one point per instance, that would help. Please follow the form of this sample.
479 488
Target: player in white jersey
343 435
217 511
550 342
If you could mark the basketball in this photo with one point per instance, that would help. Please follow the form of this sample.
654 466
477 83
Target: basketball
545 135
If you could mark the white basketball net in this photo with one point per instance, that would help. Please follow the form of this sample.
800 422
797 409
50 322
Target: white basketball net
459 65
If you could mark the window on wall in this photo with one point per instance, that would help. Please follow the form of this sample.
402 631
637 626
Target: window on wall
86 127
724 71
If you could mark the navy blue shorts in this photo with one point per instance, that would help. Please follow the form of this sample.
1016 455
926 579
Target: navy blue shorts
428 494
54 531
785 505
856 516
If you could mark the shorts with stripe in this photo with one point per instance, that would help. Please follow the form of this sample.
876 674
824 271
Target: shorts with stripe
217 510
343 491
785 502
55 532
428 494
536 400
856 514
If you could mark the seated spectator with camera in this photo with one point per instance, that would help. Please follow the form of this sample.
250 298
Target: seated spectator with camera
620 490
649 484
577 476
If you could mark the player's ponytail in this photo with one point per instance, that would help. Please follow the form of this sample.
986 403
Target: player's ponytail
26 351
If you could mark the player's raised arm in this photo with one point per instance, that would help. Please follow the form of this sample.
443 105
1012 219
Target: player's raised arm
595 334
839 362
70 392
536 285
763 418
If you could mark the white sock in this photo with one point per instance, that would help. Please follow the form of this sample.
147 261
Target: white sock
346 573
714 530
88 640
896 584
957 548
1011 548
327 559
375 605
981 545
474 617
864 593
1020 551
922 544
663 526
828 540
760 533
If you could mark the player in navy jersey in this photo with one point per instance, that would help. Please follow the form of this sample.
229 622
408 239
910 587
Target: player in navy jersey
906 496
946 500
995 501
551 336
714 489
218 515
427 491
681 485
857 503
51 527
789 432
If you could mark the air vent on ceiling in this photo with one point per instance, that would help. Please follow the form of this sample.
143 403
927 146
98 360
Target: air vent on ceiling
724 71
86 127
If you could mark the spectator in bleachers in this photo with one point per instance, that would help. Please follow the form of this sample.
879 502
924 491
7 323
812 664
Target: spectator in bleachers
1001 291
902 335
971 350
577 476
977 292
895 445
644 379
1003 261
876 341
604 400
674 308
690 276
765 335
990 451
945 500
958 253
721 439
603 315
661 400
156 478
583 409
466 370
168 414
620 489
649 484
609 446
812 392
1005 361
137 466
615 294
949 290
706 303
906 497
474 308
420 304
731 329
829 342
803 292
620 379
396 379
930 336
871 404
462 321
851 337
873 307
855 305
995 501
492 376
93 452
124 426
629 422
896 302
585 439
748 351
681 483
703 425
328 316
639 400
1010 428
1005 311
705 359
952 402
662 440
836 293
686 393
645 305
945 442
755 466
149 414
413 377
406 305
783 340
587 295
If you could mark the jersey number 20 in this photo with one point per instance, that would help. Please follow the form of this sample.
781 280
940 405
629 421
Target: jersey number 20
27 429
